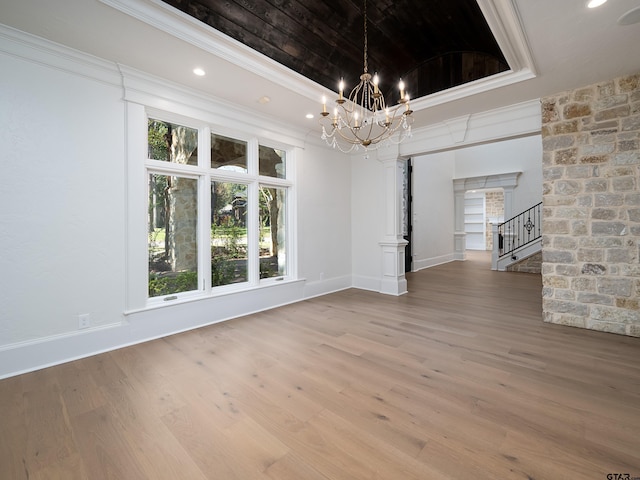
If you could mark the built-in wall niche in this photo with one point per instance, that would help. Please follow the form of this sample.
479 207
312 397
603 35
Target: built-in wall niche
474 220
482 208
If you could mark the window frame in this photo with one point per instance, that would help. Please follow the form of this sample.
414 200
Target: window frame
206 175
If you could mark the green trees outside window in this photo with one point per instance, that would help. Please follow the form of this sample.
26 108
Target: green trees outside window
178 220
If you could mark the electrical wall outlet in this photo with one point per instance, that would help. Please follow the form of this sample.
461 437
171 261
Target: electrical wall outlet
84 321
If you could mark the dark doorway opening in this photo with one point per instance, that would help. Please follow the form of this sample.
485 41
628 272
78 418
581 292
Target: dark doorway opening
407 215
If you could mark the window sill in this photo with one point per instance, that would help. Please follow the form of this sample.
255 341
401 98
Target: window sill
212 296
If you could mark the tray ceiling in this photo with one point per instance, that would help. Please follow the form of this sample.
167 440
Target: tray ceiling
432 45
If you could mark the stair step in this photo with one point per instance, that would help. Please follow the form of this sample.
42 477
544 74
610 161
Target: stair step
530 264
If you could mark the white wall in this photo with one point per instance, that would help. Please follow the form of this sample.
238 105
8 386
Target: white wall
368 216
63 233
433 210
324 211
516 155
62 195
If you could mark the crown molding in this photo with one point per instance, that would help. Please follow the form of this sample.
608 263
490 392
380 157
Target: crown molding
143 88
472 88
34 49
150 91
170 20
501 16
513 121
504 22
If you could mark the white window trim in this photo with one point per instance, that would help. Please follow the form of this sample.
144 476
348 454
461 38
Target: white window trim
138 169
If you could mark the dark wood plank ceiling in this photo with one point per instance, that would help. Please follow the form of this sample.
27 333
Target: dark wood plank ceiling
432 44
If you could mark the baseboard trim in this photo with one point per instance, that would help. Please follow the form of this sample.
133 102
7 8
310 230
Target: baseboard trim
433 261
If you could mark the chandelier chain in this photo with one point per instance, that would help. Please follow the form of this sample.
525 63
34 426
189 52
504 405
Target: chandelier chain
365 37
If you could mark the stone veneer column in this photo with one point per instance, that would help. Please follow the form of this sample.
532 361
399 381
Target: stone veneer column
591 207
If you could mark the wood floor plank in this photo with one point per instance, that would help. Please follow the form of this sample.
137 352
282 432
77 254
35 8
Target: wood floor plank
457 379
49 437
145 381
292 467
344 451
68 468
209 446
136 416
78 389
13 429
103 444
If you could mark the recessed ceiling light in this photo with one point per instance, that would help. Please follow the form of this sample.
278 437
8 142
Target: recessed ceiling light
198 71
595 3
264 100
309 115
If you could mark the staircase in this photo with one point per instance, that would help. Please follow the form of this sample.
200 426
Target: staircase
518 238
532 264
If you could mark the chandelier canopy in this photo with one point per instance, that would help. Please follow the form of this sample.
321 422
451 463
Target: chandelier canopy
363 119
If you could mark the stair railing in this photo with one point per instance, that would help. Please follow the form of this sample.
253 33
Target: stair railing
524 228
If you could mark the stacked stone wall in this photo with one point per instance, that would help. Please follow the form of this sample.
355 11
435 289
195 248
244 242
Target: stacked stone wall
591 207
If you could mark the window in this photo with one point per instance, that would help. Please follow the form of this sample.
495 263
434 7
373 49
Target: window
273 238
272 162
229 244
172 242
217 211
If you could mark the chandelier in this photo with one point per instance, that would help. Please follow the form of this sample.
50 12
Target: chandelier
363 119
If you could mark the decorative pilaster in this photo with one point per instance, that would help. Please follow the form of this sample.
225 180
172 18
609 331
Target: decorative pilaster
459 235
393 281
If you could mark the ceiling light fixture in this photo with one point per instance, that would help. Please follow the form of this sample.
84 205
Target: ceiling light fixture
199 72
595 3
631 17
363 119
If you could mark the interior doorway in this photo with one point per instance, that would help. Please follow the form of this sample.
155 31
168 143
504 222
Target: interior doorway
407 214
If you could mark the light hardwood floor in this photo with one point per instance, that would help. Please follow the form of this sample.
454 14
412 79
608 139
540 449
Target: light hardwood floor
459 379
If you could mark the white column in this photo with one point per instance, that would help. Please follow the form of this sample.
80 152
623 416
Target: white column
393 281
459 235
